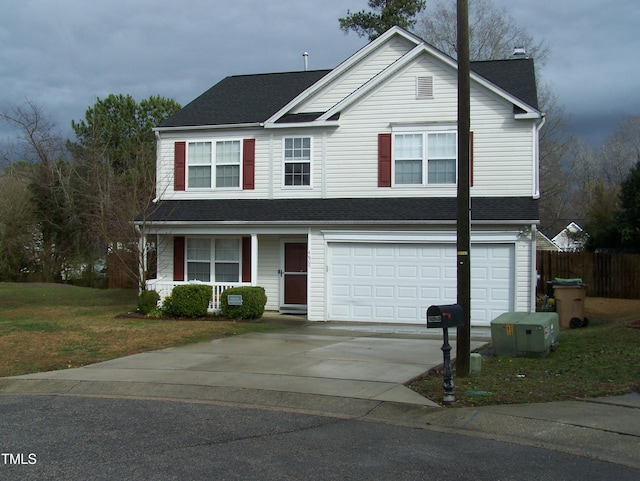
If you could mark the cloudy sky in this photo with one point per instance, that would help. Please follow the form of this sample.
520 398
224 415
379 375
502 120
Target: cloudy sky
65 54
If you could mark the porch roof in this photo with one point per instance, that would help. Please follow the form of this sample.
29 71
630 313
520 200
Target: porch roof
339 210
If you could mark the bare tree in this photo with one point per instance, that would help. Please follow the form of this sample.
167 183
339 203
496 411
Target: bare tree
493 33
19 231
621 151
42 146
598 175
116 154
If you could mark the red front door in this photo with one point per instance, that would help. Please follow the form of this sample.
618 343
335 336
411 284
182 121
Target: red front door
295 273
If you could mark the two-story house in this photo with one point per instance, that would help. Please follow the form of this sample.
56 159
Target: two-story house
335 190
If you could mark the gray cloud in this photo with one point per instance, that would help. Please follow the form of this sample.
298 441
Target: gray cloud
64 54
593 62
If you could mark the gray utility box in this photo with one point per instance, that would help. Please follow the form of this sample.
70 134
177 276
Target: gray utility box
525 333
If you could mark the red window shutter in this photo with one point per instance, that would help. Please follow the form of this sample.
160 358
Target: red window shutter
470 159
179 166
178 258
248 164
246 259
384 160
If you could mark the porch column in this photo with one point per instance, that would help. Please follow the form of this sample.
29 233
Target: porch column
254 259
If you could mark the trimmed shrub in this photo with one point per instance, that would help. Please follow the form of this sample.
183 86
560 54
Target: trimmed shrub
253 302
189 300
148 301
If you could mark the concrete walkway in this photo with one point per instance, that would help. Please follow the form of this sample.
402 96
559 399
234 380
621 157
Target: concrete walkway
349 371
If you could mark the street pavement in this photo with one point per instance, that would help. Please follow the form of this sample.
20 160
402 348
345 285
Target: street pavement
343 371
111 438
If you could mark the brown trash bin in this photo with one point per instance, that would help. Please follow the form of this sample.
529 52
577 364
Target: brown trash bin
569 303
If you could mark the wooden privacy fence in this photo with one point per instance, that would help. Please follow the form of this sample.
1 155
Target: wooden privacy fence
606 275
122 270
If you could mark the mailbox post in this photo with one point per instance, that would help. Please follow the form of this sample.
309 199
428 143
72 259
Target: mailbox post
445 317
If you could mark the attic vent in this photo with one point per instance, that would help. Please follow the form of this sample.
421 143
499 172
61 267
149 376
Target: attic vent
424 87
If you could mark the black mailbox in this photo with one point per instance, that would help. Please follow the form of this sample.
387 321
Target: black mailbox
443 317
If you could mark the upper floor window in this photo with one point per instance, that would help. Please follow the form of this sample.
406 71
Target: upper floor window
425 158
199 162
209 162
442 157
409 158
297 161
228 163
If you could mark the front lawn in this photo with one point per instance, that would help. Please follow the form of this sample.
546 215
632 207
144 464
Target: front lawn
45 327
599 360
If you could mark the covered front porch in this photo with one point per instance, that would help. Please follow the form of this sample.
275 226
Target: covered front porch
227 258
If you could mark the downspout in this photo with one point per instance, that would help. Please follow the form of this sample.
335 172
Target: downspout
157 134
534 270
534 228
536 155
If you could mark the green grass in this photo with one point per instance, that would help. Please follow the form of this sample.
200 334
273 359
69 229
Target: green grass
46 327
599 360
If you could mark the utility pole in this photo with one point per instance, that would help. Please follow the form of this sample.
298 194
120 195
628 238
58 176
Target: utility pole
463 338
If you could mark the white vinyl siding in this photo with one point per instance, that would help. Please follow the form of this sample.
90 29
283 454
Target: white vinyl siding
499 139
268 264
355 77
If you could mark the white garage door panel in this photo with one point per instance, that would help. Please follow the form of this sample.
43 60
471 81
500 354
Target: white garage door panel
397 283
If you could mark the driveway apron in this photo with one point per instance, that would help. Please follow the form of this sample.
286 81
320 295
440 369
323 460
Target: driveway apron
315 367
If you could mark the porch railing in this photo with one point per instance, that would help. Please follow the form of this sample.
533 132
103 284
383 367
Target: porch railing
164 288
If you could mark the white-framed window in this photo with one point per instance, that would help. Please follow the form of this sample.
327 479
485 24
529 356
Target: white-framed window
296 161
409 158
199 260
214 164
199 165
425 158
228 156
442 159
227 260
216 260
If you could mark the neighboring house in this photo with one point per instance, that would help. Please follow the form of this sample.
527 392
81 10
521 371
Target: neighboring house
335 190
543 243
571 239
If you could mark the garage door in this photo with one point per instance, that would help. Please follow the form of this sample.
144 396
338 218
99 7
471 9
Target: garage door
396 283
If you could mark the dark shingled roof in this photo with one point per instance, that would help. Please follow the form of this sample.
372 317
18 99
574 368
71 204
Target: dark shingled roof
375 210
516 76
243 99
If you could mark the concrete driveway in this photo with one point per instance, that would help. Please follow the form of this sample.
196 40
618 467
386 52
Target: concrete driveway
317 367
